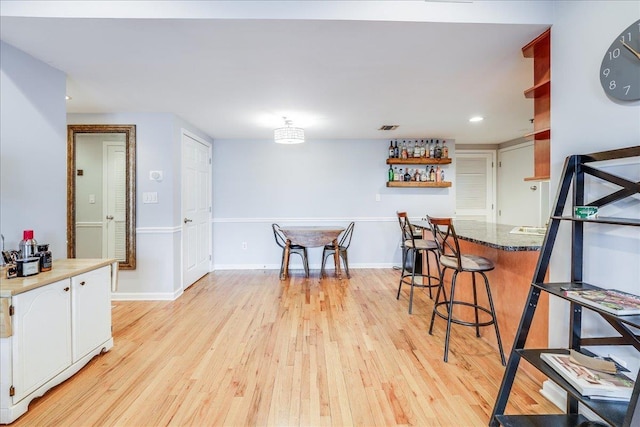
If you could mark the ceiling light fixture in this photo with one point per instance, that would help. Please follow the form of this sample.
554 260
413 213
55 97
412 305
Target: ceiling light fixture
288 134
476 119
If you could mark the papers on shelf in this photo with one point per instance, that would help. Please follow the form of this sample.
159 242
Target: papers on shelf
589 382
609 300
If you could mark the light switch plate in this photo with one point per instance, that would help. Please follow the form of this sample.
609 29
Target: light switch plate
150 197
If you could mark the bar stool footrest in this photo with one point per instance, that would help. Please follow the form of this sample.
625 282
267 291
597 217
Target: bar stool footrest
463 322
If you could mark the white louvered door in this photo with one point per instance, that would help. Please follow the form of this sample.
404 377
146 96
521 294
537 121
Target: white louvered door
114 209
475 185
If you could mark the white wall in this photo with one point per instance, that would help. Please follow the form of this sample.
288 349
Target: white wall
584 120
32 151
158 226
256 183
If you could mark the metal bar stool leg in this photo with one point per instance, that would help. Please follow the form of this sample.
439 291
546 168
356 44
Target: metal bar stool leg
404 261
436 303
495 319
450 317
475 303
413 280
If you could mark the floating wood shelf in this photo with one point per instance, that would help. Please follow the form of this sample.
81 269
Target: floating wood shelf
541 89
442 184
419 161
538 178
539 134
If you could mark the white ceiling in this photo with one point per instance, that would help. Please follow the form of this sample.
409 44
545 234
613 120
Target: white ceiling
236 78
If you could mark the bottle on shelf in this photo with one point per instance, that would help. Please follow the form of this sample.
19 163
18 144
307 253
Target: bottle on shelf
404 154
437 151
432 175
438 177
407 175
442 175
425 175
409 149
390 174
422 150
431 150
391 151
396 150
401 175
416 149
396 174
445 150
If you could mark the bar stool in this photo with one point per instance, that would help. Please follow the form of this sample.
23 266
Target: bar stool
450 258
416 247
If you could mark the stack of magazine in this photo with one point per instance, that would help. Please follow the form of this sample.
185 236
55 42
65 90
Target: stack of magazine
609 300
590 376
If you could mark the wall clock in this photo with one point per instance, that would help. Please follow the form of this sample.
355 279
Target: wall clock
620 68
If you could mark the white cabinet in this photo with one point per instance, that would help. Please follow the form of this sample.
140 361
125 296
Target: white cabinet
56 327
41 336
91 310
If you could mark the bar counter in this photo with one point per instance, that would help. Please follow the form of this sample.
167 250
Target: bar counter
515 257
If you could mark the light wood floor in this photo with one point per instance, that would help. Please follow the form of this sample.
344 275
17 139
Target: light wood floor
243 348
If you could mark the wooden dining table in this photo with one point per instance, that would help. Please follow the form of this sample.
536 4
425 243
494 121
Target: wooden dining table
311 237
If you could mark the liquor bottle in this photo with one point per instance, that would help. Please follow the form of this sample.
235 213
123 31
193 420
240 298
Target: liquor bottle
438 174
409 149
426 149
442 175
422 150
416 149
401 175
407 176
432 150
404 150
391 151
391 174
396 150
445 150
437 150
396 174
432 175
425 175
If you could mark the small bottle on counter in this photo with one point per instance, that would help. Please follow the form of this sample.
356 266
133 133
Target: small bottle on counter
44 254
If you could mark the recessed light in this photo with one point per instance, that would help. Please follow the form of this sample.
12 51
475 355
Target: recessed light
476 119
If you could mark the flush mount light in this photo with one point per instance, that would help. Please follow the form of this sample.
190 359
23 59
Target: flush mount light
288 134
476 119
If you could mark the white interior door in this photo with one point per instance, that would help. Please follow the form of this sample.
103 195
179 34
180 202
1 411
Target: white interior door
114 211
196 208
518 200
475 182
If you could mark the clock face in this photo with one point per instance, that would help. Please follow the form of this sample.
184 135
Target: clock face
620 69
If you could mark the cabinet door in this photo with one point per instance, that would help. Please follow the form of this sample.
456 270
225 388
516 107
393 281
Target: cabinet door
42 336
91 310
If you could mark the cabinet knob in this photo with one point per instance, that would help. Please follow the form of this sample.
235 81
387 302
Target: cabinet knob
82 283
66 289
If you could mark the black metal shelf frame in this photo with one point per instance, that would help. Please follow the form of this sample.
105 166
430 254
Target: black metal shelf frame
575 169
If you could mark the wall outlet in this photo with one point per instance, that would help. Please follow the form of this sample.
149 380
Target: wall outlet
377 197
244 246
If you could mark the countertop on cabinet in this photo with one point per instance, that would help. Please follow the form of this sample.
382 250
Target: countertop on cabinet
61 269
497 236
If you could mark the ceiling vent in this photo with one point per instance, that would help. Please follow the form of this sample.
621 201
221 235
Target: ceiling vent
388 127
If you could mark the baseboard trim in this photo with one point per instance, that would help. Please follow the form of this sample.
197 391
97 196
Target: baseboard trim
151 296
329 266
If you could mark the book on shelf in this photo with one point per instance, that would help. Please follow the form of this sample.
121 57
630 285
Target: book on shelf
588 382
609 300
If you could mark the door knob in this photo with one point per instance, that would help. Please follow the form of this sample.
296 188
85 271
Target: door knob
186 220
109 216
533 188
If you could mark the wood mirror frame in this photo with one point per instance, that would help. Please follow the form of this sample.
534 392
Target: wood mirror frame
130 235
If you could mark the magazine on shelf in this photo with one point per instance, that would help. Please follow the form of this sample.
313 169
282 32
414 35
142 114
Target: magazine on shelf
589 382
609 300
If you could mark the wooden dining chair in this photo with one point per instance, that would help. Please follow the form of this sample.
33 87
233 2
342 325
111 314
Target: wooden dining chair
343 245
293 249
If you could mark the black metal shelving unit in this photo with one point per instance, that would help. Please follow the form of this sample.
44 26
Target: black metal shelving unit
572 189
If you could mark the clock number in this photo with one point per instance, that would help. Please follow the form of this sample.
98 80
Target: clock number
626 92
626 38
614 54
606 72
612 85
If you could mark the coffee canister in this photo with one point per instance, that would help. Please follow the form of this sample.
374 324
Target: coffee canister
44 254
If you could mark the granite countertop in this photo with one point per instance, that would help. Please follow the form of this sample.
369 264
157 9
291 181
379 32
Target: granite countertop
61 269
494 235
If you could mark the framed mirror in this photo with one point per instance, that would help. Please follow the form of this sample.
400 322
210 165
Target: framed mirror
101 193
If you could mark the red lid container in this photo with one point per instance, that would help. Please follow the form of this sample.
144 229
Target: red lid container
27 234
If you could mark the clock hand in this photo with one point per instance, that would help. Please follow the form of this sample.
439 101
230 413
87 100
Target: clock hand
631 49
